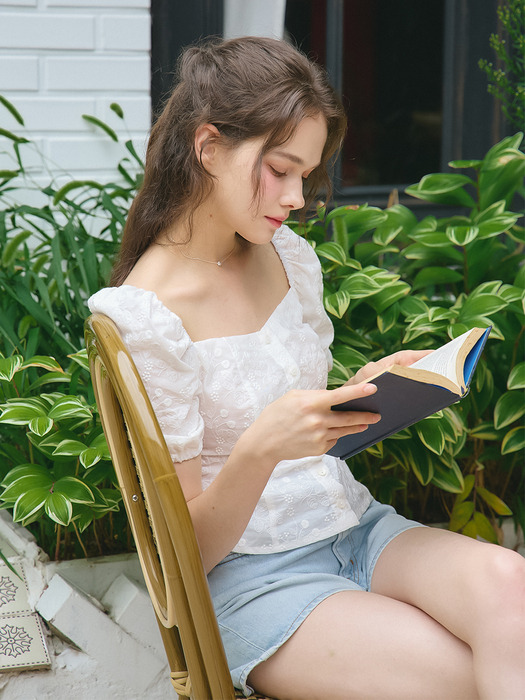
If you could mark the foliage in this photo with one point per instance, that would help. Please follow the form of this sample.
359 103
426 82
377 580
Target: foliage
393 282
62 465
507 79
55 253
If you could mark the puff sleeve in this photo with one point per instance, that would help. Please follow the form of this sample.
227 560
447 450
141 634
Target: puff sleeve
166 360
304 272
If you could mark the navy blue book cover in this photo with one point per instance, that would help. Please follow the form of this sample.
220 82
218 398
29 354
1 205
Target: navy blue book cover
403 401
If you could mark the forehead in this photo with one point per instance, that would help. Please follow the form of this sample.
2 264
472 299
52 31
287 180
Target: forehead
306 143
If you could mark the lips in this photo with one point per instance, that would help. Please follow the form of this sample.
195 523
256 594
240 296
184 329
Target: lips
274 222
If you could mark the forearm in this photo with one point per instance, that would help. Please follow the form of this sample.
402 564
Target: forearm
222 511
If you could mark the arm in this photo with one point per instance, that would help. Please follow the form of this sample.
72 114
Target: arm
299 424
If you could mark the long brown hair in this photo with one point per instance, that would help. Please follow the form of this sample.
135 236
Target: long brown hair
251 87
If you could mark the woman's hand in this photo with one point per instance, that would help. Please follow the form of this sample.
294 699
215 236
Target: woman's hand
405 358
302 424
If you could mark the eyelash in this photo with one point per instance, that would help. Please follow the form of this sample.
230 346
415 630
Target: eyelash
277 173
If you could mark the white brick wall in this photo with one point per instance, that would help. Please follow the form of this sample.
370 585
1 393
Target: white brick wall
60 59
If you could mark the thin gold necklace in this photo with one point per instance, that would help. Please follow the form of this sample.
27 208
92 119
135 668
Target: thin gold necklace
219 263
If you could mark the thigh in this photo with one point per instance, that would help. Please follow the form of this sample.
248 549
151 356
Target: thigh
362 645
455 579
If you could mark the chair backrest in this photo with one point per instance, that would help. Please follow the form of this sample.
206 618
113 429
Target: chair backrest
159 518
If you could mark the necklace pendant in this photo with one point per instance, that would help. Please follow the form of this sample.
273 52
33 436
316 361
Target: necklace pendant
219 263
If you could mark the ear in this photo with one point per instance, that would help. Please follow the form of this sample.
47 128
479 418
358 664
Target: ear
205 144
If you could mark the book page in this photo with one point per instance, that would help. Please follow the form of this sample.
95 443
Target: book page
443 360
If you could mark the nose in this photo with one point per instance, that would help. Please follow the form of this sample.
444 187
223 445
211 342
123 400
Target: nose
292 196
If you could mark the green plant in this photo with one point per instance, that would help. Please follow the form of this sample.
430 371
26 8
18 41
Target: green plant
394 282
507 80
55 253
62 479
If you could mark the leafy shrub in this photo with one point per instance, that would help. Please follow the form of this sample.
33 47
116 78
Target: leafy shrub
393 282
54 466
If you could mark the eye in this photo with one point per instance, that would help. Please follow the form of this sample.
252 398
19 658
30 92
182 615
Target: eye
275 172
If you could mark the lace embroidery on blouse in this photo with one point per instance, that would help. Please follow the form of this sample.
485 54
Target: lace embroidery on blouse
206 393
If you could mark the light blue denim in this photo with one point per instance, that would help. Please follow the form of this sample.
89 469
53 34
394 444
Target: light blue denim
261 599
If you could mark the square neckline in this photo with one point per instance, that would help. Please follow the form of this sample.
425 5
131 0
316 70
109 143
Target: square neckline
275 242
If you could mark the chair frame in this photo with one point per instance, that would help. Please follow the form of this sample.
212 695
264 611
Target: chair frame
160 521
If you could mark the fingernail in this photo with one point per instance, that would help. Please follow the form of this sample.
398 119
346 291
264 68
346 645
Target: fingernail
369 389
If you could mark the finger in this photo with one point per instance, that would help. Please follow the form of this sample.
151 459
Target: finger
348 392
349 419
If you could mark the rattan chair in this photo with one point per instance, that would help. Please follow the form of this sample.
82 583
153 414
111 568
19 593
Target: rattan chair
159 518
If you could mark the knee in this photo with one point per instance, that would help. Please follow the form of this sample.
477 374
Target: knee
502 581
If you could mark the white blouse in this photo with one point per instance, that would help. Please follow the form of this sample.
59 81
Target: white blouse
206 393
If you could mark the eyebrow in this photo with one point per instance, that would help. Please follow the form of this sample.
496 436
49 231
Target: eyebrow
292 157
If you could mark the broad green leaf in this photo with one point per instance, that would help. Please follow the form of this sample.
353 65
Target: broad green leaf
332 251
80 358
89 457
461 514
431 239
48 363
337 303
20 413
74 489
443 188
481 305
388 318
388 296
431 435
448 478
421 463
359 286
465 164
484 431
497 505
70 448
514 441
469 482
30 505
462 235
359 221
23 470
485 528
516 378
509 408
59 508
497 225
69 407
41 425
100 444
9 366
24 484
470 530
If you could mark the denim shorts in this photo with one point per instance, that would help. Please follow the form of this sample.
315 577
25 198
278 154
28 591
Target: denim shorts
261 599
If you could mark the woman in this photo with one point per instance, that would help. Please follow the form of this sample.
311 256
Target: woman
221 306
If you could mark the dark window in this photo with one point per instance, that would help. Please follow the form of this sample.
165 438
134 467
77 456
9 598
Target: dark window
407 72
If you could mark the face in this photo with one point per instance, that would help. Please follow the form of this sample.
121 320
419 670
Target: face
283 172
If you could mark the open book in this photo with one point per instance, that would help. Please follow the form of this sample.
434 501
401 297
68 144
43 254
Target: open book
406 395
